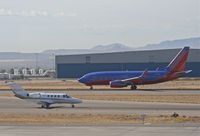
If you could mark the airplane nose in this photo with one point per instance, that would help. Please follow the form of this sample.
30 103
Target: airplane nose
81 80
78 101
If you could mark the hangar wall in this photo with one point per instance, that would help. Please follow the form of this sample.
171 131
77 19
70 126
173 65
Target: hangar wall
75 66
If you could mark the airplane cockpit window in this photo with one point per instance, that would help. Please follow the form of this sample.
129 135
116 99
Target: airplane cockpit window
68 96
85 76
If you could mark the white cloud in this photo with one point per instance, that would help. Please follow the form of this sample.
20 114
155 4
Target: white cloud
72 15
62 13
59 14
34 13
4 12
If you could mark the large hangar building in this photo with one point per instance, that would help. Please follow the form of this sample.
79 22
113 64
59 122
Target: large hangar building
75 66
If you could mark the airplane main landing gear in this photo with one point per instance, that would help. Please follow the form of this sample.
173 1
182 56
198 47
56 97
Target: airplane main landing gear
73 106
45 106
133 87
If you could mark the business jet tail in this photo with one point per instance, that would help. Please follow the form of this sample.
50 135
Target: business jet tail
17 90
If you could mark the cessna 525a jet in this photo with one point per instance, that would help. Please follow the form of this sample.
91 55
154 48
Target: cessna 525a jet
45 99
125 78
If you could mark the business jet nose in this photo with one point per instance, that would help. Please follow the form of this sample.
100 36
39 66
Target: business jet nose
78 101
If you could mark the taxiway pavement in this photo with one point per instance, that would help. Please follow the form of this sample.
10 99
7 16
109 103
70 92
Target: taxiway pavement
101 130
16 105
120 92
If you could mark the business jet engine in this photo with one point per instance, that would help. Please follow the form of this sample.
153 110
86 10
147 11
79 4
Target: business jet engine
117 84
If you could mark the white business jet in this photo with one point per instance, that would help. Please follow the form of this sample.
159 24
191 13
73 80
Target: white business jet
45 99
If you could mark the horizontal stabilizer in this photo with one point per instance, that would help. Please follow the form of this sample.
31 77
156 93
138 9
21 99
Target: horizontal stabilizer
184 72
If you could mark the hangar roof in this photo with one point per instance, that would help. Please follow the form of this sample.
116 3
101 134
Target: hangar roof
165 55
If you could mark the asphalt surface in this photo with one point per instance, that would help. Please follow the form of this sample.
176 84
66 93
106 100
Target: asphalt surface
121 91
131 92
101 130
16 105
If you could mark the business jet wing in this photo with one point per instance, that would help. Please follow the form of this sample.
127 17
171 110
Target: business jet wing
45 102
136 79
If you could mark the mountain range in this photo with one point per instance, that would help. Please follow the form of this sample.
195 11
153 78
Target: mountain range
117 47
192 42
45 59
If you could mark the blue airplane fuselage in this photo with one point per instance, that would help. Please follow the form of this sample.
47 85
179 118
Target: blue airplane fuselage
104 78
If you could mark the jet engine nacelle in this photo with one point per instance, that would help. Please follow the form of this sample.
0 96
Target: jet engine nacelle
34 95
117 84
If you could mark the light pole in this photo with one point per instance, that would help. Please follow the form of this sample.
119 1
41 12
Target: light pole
53 61
36 61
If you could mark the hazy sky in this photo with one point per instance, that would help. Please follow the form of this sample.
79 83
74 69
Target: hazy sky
37 25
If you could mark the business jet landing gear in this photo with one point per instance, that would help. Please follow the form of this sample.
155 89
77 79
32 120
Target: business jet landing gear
73 106
133 87
45 106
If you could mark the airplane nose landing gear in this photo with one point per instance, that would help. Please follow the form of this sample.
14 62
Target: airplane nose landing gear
91 87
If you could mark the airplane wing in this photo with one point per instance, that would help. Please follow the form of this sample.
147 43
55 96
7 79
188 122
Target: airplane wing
135 79
38 101
43 102
129 81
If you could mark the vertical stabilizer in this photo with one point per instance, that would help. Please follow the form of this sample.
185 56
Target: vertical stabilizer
17 90
179 62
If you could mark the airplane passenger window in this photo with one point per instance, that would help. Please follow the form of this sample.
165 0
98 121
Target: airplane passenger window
58 95
64 96
51 95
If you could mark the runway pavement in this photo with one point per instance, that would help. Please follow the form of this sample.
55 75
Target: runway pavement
100 130
15 105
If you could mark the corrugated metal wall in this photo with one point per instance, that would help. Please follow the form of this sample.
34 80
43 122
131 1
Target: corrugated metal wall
74 66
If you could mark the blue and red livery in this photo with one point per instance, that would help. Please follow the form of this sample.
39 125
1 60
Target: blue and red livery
125 78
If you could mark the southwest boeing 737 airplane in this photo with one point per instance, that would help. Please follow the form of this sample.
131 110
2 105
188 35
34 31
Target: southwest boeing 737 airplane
125 78
45 99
